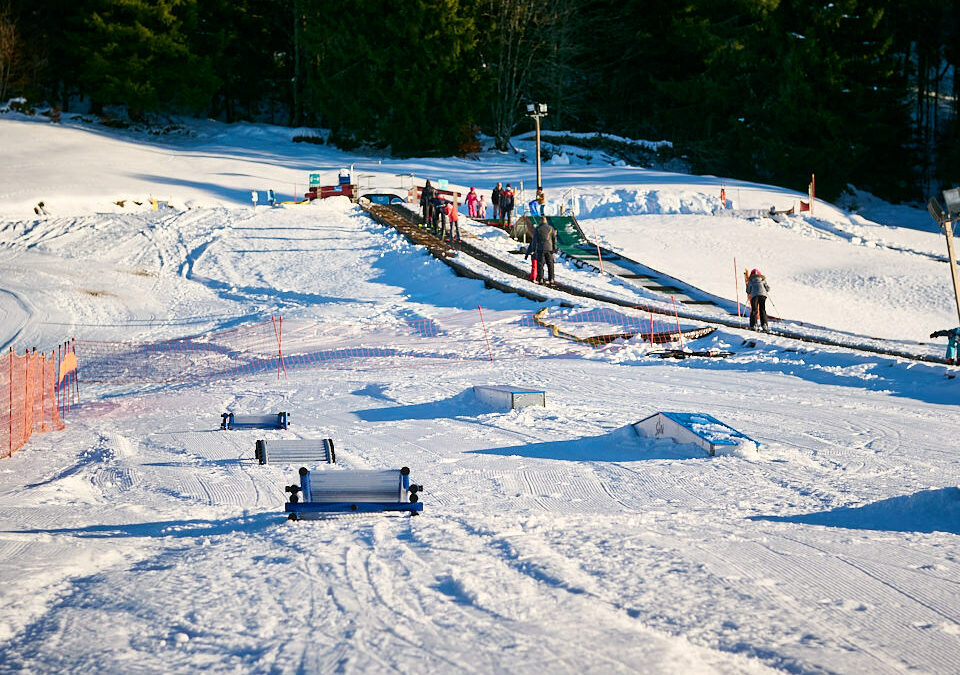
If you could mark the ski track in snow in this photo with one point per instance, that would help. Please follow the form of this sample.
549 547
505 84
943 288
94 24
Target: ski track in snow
553 539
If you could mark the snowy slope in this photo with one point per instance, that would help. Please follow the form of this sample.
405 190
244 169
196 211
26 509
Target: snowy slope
552 539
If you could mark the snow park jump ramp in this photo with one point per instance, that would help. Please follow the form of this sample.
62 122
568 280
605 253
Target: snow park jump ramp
410 224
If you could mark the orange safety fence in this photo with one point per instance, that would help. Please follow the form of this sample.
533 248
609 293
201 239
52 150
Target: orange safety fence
278 345
28 398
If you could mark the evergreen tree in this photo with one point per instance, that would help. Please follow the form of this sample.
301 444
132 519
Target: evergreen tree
136 53
396 74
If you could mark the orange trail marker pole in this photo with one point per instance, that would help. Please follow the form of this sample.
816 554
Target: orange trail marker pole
484 324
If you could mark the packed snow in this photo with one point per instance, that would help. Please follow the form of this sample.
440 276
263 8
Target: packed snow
553 539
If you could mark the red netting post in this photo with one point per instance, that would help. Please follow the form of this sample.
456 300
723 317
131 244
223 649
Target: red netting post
10 418
483 323
736 285
76 382
67 397
27 423
278 332
43 391
56 386
596 241
677 315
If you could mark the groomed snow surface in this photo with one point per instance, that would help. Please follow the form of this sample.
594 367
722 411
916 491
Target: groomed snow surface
143 539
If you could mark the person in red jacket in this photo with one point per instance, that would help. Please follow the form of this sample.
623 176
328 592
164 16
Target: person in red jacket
454 218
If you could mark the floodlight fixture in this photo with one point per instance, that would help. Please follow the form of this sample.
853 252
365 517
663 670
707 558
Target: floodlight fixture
936 211
945 218
951 199
536 111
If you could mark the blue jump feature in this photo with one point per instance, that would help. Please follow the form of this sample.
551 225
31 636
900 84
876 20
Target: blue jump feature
709 428
701 429
232 421
328 492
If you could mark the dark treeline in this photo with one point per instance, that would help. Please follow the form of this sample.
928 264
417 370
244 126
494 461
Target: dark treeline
858 92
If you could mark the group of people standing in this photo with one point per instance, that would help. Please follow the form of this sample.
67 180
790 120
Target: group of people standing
441 217
502 198
438 212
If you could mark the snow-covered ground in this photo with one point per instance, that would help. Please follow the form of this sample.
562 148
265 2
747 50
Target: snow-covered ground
553 539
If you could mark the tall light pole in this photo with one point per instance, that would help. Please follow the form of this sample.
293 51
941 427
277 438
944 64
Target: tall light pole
536 111
945 219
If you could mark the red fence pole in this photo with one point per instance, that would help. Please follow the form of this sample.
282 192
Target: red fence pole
76 381
483 323
10 418
679 334
24 432
69 396
278 333
596 241
736 285
43 392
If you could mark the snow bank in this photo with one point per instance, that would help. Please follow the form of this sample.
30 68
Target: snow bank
627 202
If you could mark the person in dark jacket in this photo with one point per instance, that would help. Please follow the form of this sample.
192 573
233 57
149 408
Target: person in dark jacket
506 205
532 251
439 214
495 201
546 246
757 289
426 203
953 343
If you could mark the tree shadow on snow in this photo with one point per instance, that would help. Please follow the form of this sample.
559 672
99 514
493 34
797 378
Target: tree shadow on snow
923 382
464 404
620 445
936 510
169 528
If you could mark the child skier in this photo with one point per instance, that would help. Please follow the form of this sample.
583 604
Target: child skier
472 203
453 216
953 343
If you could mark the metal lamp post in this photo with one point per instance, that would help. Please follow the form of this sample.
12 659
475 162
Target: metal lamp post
945 218
536 111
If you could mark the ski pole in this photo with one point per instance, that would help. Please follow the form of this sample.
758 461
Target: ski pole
775 309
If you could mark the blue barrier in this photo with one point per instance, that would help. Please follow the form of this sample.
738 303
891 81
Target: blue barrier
353 492
271 421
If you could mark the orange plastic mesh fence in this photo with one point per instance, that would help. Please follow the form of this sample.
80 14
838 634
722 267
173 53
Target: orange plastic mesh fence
28 398
280 345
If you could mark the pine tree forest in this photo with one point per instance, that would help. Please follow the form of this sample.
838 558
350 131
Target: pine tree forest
862 93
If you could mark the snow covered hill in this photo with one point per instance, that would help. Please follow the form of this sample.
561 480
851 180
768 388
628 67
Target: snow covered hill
553 539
